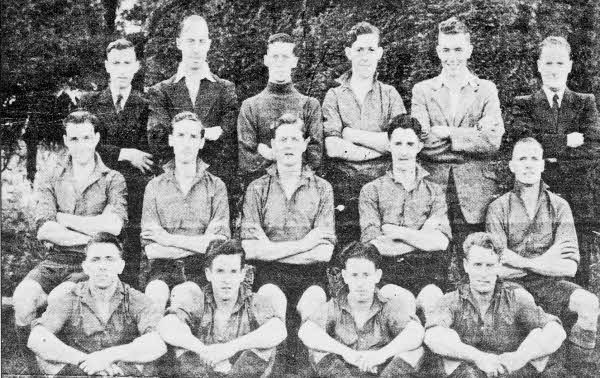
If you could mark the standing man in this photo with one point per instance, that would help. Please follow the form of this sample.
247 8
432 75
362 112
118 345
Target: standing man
224 329
541 251
567 125
489 328
196 89
185 209
462 130
287 225
78 199
101 326
405 217
123 146
259 113
356 115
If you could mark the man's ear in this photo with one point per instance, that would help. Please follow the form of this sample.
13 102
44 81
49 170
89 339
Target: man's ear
511 166
208 274
178 43
378 274
469 51
106 65
121 266
348 51
379 52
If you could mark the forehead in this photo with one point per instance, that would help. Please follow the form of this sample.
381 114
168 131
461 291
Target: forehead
227 261
360 264
288 130
121 54
194 28
102 249
527 149
452 40
407 135
554 52
481 254
366 40
77 129
187 125
280 48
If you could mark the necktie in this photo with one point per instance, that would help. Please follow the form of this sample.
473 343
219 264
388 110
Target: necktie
555 107
119 103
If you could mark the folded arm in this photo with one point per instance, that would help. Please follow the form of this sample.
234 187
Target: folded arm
446 342
374 140
49 347
58 234
315 337
89 225
157 251
268 335
143 349
337 147
426 239
320 253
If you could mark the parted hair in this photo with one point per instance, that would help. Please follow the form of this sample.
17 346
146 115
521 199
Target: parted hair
105 238
188 19
79 117
554 40
528 140
453 26
286 119
186 116
282 38
361 28
484 240
358 250
220 247
119 44
403 121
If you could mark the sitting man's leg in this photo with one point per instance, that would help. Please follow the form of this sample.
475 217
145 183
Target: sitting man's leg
250 364
428 298
28 297
310 301
583 334
189 364
404 364
466 370
330 365
158 292
390 290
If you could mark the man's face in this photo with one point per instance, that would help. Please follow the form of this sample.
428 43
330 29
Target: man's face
186 140
121 66
404 146
280 60
81 141
364 54
193 42
454 50
103 264
554 65
289 145
482 266
527 163
225 275
361 276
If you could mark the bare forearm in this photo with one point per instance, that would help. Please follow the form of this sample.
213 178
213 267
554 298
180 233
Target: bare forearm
377 141
197 244
266 250
157 251
551 266
389 247
343 149
320 253
174 332
108 222
49 347
145 348
269 335
410 338
424 240
542 342
509 272
446 343
58 234
316 338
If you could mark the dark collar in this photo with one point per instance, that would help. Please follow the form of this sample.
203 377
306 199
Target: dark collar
281 89
244 293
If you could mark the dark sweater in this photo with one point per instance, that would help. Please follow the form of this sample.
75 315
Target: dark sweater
258 113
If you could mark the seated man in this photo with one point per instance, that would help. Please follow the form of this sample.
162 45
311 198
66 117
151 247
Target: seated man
224 328
513 338
185 209
287 226
359 333
79 198
536 227
104 326
405 217
258 113
355 117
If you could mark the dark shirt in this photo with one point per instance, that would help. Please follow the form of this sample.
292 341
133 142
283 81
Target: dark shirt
259 113
267 207
73 318
386 320
552 224
342 109
512 314
385 201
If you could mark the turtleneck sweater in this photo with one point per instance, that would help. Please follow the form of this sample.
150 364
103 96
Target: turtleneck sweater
259 113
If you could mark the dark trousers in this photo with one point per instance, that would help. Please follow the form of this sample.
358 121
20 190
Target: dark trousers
334 366
468 370
129 370
248 364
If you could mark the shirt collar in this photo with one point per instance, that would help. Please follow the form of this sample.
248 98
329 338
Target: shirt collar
550 94
204 73
344 79
376 306
244 293
517 187
420 174
67 165
464 291
470 79
201 168
125 93
84 292
306 174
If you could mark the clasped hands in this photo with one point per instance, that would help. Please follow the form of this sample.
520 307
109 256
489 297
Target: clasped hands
366 361
494 365
100 363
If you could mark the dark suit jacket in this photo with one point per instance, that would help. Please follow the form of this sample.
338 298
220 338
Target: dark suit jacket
577 113
124 130
216 105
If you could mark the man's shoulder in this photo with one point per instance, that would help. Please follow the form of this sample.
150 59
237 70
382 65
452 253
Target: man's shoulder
500 203
322 183
260 183
136 298
161 85
557 201
224 82
426 85
486 85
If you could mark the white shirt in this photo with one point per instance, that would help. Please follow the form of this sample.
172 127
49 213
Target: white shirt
123 92
550 94
193 82
468 78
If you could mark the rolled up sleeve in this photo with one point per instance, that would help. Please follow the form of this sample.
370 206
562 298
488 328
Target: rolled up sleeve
252 210
117 196
530 315
332 122
370 220
46 205
219 222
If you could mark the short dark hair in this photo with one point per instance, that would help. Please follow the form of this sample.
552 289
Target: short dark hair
454 26
404 121
79 117
358 250
554 40
361 28
221 247
186 19
484 240
186 116
105 238
120 44
282 38
286 119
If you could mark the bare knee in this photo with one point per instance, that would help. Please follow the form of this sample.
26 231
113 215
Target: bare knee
27 298
428 298
390 291
584 303
310 301
158 292
277 297
61 290
187 294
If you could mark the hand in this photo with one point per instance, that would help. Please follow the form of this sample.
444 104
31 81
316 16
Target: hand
265 151
512 361
441 132
317 236
348 134
486 123
258 233
215 353
557 251
511 258
158 235
393 231
213 133
370 360
490 364
223 367
351 356
574 140
139 159
96 362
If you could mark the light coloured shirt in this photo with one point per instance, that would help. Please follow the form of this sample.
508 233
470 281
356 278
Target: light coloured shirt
467 79
550 95
115 92
193 82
